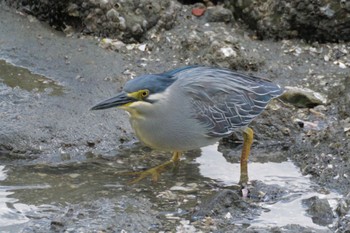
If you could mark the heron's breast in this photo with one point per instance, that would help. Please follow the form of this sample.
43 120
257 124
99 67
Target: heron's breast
166 134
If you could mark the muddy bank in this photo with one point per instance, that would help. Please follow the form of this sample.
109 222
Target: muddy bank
35 122
52 145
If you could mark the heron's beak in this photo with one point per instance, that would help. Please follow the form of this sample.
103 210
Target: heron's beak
121 99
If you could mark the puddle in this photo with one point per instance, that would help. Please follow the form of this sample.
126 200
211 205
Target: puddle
11 212
33 195
285 174
14 76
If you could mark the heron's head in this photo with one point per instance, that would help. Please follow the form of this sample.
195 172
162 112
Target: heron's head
139 93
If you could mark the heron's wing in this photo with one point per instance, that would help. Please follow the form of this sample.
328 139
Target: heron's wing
223 100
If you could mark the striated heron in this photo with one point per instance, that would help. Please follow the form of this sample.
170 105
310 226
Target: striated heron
192 107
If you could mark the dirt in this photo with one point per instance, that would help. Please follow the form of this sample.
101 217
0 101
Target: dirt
77 155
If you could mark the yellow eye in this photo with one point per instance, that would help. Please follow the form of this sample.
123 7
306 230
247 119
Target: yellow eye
144 93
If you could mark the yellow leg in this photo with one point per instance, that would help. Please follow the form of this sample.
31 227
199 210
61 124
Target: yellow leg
248 135
176 157
155 171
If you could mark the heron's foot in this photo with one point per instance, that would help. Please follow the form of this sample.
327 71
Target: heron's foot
245 190
153 172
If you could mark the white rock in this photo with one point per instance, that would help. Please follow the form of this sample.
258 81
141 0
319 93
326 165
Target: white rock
228 52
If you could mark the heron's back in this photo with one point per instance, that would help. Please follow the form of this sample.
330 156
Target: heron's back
223 100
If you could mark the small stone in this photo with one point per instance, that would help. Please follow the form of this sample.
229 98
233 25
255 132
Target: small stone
326 57
137 29
74 175
142 47
186 227
228 52
57 224
73 10
181 188
167 195
342 65
219 14
307 125
130 46
228 215
113 44
327 11
105 43
303 97
198 11
104 4
320 210
117 45
112 15
32 19
122 23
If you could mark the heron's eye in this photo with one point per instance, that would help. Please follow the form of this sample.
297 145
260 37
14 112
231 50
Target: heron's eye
144 93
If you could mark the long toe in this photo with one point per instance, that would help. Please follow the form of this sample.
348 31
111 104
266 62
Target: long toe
154 172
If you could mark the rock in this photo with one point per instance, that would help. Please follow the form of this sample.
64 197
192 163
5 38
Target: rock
115 44
113 15
266 193
218 14
303 97
324 20
320 210
57 224
127 21
189 188
198 11
136 29
228 52
343 206
222 203
73 10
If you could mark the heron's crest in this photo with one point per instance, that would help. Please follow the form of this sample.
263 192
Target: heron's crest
155 83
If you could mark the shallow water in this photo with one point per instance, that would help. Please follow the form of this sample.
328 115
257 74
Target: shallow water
12 213
34 194
285 174
14 76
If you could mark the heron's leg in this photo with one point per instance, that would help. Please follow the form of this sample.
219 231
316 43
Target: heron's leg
176 157
248 135
155 172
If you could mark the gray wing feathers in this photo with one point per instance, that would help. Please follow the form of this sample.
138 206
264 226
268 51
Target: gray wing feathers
223 100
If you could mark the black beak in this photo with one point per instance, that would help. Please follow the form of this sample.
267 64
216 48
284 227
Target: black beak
121 99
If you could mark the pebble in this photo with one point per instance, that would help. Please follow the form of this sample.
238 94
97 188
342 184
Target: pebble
219 14
167 195
198 11
190 187
142 47
113 15
228 215
228 52
74 175
186 227
113 44
320 210
137 29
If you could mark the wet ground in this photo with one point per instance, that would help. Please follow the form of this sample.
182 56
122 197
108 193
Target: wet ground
61 164
92 196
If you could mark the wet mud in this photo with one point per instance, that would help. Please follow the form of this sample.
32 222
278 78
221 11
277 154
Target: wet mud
62 166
